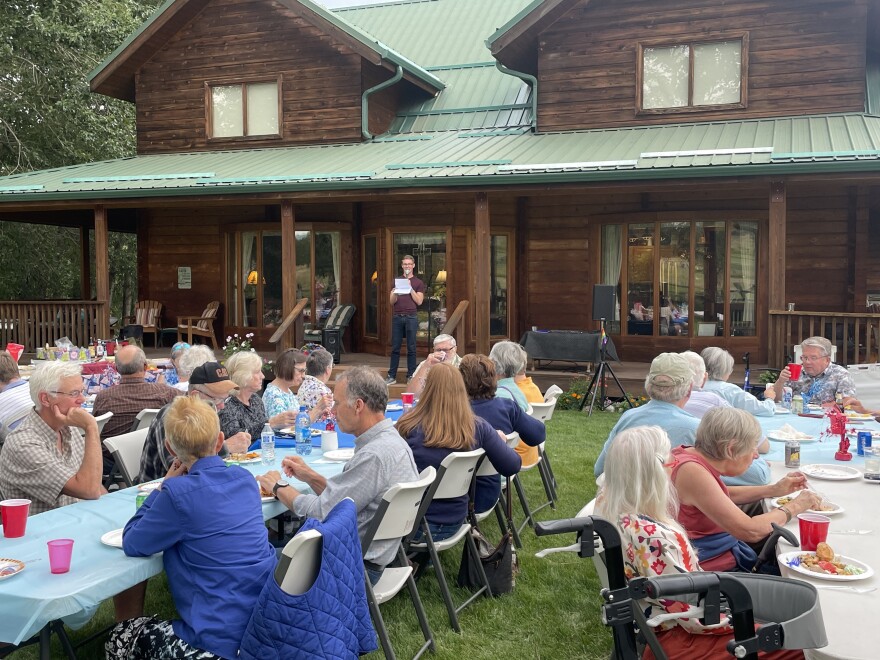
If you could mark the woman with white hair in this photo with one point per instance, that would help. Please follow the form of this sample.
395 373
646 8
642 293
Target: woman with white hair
186 359
719 366
510 359
638 497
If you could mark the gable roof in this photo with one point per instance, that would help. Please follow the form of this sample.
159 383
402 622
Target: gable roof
115 75
515 44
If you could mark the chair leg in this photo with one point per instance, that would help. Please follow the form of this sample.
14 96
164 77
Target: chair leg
552 476
214 342
378 621
548 486
521 494
441 580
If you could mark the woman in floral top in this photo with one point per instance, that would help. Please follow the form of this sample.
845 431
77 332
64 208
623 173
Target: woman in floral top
638 495
278 399
314 393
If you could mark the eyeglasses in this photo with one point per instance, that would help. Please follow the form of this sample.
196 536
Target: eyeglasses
299 371
447 349
73 395
810 358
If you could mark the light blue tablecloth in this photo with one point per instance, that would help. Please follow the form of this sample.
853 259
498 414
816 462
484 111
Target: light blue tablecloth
816 451
35 597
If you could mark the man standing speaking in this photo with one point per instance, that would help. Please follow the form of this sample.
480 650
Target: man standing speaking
408 293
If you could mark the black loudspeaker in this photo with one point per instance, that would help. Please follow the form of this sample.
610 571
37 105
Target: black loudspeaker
604 301
332 341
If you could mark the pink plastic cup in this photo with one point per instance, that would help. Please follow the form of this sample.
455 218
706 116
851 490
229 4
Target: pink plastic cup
814 529
795 370
60 551
15 350
407 398
14 514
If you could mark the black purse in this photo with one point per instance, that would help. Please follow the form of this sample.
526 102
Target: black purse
499 561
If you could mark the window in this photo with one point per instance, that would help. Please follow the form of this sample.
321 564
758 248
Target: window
693 76
244 110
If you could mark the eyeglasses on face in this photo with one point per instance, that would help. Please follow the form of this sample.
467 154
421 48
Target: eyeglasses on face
813 358
299 370
72 395
444 348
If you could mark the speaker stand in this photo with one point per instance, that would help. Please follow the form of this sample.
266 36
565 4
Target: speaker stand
597 384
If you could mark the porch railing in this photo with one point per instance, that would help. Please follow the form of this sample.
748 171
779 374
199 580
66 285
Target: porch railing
290 333
37 323
857 336
454 326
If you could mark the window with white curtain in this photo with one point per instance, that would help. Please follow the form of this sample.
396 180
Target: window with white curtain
244 109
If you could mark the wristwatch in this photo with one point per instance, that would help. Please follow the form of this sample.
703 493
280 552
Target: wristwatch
278 486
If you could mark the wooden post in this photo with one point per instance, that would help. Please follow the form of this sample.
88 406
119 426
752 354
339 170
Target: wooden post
776 269
521 322
288 273
482 260
102 271
85 272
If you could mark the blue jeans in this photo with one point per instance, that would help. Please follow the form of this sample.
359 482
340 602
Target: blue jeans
438 532
403 325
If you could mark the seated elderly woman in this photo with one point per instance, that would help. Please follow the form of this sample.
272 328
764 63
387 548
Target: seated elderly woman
244 411
442 423
279 399
510 359
503 415
726 444
314 393
719 365
637 497
185 361
215 569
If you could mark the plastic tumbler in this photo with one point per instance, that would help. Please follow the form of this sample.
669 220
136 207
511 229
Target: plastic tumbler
814 529
407 398
329 441
795 370
14 514
60 551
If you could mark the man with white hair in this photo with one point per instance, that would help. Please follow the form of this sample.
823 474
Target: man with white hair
668 385
445 350
821 380
700 402
46 459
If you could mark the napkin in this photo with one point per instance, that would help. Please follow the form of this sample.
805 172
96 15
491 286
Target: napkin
788 432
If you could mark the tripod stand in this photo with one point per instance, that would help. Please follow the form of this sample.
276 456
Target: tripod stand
597 383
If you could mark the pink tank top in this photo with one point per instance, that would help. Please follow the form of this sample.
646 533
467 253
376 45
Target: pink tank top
694 521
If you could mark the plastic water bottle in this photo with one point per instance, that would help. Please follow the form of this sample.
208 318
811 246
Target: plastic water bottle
267 444
303 432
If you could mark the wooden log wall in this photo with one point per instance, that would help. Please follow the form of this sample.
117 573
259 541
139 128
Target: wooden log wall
806 57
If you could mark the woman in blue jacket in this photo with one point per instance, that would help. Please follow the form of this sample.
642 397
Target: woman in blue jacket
442 423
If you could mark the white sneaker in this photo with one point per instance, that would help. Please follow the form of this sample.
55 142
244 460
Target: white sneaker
390 380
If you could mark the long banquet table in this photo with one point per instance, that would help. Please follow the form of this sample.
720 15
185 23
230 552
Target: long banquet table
34 598
848 615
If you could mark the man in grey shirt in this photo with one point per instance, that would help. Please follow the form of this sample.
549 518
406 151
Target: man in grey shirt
381 459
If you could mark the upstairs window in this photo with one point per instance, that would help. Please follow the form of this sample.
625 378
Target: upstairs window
243 110
692 77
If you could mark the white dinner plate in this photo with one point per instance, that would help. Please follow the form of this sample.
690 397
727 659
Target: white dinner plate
113 539
837 508
255 459
772 435
150 486
781 411
393 407
339 455
10 567
831 472
791 560
854 415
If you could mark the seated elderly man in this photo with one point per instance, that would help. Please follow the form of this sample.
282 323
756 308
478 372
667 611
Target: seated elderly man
46 459
719 365
820 380
381 459
668 385
445 350
15 397
133 394
700 402
510 359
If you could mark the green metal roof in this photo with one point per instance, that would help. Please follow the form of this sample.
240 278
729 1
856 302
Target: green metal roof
827 143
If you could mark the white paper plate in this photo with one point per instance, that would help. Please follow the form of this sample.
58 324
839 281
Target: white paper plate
851 416
113 539
255 459
831 472
393 407
316 432
781 411
789 558
150 486
339 455
838 509
10 567
771 435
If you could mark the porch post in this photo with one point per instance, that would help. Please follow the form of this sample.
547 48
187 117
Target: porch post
482 259
776 271
293 336
85 272
102 271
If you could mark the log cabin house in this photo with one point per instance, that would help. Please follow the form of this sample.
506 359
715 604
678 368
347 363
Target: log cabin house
711 161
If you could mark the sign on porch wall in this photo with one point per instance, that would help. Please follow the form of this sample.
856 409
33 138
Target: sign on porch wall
184 277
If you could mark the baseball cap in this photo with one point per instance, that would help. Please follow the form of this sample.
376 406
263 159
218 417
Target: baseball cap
214 378
670 369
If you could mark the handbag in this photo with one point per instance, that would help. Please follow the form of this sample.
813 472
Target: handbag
499 562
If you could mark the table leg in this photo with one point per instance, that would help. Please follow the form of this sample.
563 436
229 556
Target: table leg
45 642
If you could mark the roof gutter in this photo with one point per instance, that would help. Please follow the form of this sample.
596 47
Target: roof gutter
531 80
365 101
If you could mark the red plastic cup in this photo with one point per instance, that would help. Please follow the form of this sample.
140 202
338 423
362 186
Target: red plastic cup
814 529
14 514
60 551
15 350
408 398
795 370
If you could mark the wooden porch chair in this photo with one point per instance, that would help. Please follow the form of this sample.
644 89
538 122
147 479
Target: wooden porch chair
148 313
338 319
200 326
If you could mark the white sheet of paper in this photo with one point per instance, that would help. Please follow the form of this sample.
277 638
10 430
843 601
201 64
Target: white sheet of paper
402 286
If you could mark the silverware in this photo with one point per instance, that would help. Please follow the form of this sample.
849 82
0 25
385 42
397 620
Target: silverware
856 590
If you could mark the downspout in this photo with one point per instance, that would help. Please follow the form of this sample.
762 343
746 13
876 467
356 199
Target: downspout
365 117
531 80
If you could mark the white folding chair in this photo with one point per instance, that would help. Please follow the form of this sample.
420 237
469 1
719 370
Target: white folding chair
543 412
144 418
866 378
486 469
126 450
102 419
396 518
453 480
300 562
552 392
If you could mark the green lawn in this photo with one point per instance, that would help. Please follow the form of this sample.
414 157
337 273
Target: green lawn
554 611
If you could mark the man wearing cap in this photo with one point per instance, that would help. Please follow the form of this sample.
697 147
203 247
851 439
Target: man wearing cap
210 382
668 385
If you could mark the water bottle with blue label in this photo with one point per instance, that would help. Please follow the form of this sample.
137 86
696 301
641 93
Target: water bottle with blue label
303 432
267 444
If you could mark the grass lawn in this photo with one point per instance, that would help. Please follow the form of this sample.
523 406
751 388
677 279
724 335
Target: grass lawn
554 610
